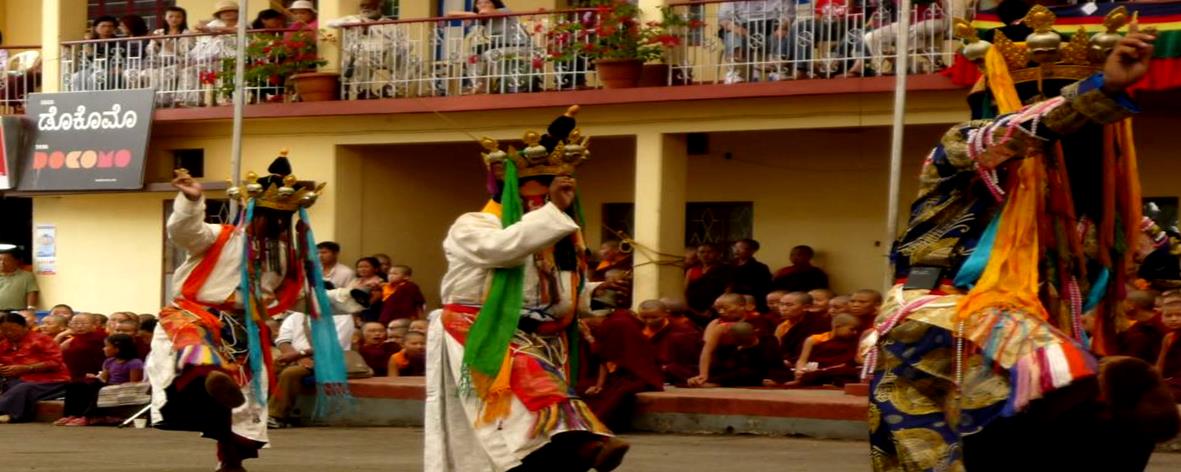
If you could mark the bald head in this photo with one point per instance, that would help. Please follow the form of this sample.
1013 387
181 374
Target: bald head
675 305
730 307
653 314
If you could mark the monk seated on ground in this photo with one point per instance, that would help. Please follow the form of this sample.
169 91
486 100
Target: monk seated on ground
411 360
763 323
419 326
730 309
677 346
1140 336
838 304
864 304
798 324
821 297
829 358
396 330
1169 362
743 359
374 348
627 366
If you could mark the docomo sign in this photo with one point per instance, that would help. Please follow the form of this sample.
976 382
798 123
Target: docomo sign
88 141
88 159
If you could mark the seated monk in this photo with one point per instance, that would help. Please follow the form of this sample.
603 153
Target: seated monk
678 312
864 304
374 348
411 360
744 359
829 358
763 324
820 300
799 323
1141 336
731 309
838 304
1169 361
627 366
677 346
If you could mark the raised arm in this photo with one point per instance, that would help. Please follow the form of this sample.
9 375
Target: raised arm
186 226
479 238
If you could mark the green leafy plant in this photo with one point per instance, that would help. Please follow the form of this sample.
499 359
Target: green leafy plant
614 29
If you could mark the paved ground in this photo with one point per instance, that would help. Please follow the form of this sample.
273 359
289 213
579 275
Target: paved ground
43 448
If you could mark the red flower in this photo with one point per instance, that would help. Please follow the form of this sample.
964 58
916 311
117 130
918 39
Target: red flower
695 23
472 59
538 63
538 27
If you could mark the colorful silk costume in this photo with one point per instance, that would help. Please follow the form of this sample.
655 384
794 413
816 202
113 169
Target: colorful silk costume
1030 216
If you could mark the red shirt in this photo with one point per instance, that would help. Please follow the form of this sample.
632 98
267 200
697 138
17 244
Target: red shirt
35 348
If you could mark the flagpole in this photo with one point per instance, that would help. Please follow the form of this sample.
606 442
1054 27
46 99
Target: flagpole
901 68
239 104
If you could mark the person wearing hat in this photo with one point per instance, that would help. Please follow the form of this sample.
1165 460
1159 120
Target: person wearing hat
225 18
210 362
303 13
499 356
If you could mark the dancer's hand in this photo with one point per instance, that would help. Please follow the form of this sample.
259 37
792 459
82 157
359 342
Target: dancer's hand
561 191
187 185
1128 61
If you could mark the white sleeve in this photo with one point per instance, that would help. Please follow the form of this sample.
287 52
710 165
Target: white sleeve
344 330
482 242
187 228
342 302
287 329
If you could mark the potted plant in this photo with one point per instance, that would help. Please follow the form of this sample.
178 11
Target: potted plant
276 60
614 37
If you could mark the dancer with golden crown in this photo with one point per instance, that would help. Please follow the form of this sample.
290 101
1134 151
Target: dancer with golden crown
1024 227
499 389
210 364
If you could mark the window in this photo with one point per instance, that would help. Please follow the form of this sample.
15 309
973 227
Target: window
705 222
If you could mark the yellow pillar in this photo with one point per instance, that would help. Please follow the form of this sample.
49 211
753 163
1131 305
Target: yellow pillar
61 20
328 44
659 213
413 9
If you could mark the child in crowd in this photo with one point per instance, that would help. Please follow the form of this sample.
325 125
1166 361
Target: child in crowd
1141 336
821 297
1169 361
374 348
396 330
829 357
83 352
864 304
839 304
411 360
401 297
677 346
122 365
419 326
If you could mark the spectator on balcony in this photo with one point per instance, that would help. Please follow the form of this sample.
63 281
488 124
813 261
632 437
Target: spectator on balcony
500 48
269 19
133 62
372 56
97 60
168 55
209 51
303 15
927 22
838 38
757 36
225 18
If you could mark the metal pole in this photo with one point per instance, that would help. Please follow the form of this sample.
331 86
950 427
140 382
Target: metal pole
239 103
901 68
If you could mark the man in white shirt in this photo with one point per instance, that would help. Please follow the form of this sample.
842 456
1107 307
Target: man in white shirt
295 361
339 274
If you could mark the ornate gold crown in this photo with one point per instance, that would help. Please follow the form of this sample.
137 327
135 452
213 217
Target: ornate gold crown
535 159
286 193
1077 59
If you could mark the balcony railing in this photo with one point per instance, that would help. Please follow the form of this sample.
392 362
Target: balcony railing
21 68
185 70
714 41
502 53
770 40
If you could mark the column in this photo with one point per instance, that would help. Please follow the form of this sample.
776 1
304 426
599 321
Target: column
659 212
328 42
651 9
61 20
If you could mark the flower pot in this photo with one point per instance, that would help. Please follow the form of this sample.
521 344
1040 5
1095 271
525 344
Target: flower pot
654 75
619 73
316 86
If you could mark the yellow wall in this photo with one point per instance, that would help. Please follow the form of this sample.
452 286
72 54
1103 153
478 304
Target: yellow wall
22 22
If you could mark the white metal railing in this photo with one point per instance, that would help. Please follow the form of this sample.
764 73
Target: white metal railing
500 53
20 75
732 41
186 70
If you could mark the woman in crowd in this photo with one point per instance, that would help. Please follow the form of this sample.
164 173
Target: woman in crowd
175 83
494 38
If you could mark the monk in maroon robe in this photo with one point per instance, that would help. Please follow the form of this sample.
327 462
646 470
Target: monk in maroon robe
628 367
677 345
1169 361
830 358
744 359
798 323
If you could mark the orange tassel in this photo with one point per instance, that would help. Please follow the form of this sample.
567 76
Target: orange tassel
496 393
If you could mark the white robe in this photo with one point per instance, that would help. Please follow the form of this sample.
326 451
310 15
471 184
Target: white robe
187 229
476 245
